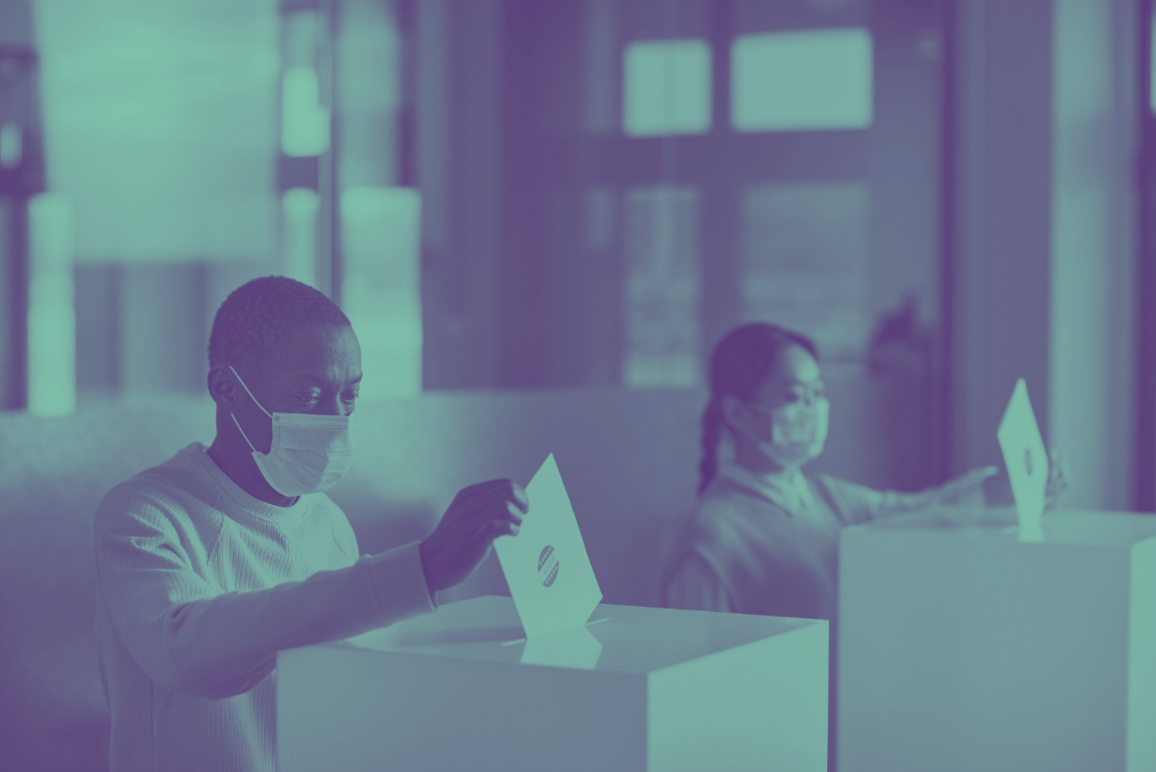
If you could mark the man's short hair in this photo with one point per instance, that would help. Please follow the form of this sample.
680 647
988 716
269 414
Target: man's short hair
260 313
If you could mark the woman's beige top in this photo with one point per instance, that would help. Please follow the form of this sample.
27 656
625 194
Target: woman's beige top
770 546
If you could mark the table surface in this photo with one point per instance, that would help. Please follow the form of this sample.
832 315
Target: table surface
618 639
1061 527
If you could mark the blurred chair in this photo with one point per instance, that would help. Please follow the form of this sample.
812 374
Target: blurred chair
629 461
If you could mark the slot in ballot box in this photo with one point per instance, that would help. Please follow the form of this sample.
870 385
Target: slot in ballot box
636 689
962 647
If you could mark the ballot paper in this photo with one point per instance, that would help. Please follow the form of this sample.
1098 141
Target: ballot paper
575 647
1026 460
546 565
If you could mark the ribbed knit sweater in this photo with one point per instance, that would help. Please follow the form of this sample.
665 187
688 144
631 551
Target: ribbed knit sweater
199 585
745 551
751 549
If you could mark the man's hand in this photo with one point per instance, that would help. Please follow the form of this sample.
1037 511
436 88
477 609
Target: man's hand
478 515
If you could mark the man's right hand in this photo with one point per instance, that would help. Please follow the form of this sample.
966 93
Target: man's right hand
478 515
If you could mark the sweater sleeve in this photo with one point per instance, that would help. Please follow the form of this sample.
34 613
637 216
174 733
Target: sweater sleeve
860 504
193 640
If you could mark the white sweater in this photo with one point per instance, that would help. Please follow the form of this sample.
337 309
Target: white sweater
199 585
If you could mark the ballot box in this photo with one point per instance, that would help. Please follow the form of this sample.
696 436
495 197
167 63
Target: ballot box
636 689
962 646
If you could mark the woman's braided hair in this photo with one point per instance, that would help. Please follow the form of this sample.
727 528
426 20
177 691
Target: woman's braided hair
739 365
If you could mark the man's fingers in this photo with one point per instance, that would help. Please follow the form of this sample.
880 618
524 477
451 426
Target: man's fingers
513 513
495 528
496 520
502 513
483 488
470 492
516 495
508 490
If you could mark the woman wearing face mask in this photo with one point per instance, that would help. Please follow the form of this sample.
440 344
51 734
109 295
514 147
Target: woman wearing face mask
765 537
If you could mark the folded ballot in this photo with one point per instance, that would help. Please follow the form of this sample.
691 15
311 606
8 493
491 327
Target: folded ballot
575 648
1026 459
546 565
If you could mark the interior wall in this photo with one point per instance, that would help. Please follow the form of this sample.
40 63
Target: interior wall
98 332
143 330
15 22
162 311
16 33
459 162
1094 248
1044 256
903 144
1001 185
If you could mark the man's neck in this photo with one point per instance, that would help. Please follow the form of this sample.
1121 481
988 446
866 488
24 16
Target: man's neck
242 470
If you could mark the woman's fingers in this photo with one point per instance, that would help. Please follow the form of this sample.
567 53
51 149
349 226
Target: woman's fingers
1058 473
975 477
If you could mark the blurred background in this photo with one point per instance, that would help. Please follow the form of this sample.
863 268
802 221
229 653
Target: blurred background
510 194
540 216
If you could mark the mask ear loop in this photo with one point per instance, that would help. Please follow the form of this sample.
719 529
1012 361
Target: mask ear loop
766 413
258 404
242 431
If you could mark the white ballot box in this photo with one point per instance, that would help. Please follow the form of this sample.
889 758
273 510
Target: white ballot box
963 647
636 689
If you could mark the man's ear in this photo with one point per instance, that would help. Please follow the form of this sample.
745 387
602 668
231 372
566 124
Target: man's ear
222 386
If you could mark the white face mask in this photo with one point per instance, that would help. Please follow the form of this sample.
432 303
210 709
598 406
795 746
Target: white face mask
309 452
798 432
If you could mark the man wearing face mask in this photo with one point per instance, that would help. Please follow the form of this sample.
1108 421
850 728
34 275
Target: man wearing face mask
214 561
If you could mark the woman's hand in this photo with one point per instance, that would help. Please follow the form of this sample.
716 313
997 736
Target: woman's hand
999 492
1057 477
967 485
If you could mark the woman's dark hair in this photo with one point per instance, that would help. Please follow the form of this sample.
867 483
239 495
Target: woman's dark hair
739 365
